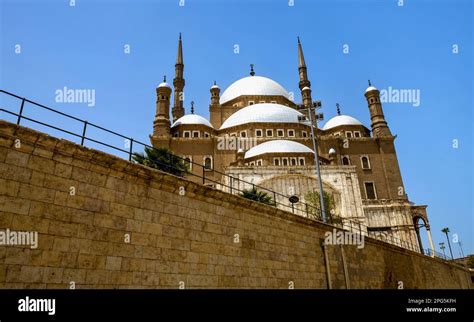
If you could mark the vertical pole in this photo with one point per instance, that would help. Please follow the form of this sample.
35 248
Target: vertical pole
84 133
328 269
344 266
318 170
131 149
231 180
203 174
21 111
275 198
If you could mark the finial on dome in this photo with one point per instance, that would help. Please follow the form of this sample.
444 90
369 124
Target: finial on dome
179 36
164 78
215 83
298 39
252 72
192 107
370 84
338 109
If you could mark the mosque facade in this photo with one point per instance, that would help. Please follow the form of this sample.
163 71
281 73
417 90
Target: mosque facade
258 135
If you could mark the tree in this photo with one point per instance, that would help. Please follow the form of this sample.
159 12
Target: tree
312 199
446 231
260 196
161 159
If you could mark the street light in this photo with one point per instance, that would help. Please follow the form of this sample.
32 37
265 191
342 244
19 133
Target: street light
320 116
441 245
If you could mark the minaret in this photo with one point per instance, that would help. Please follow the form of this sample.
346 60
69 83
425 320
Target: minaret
304 84
215 107
178 82
161 123
378 123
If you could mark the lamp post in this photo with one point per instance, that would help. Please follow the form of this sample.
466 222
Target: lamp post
316 105
446 231
441 245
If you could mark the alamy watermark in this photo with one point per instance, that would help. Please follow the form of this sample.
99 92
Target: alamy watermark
19 238
393 95
340 237
235 143
69 95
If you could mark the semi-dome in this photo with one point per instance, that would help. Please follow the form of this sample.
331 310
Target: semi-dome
277 146
253 85
341 120
192 119
264 113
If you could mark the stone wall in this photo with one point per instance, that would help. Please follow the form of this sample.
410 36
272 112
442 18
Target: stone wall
106 223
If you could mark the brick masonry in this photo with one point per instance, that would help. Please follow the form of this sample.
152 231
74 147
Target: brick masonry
175 239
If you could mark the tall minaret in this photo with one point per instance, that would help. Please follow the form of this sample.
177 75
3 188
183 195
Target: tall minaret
178 82
304 84
378 123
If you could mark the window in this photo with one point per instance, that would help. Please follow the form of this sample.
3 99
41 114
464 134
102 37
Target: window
370 190
337 134
346 160
294 162
273 102
365 162
176 135
196 134
301 161
291 133
208 163
188 162
284 161
304 134
187 134
259 162
243 134
252 163
261 102
276 161
258 133
280 133
251 102
270 133
357 134
206 135
233 134
348 134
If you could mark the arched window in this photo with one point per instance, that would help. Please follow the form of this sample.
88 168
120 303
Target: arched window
187 161
345 160
293 161
365 162
208 163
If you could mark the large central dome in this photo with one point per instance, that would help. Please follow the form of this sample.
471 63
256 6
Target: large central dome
265 113
253 85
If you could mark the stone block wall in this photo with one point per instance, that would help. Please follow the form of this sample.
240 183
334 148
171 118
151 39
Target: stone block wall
104 222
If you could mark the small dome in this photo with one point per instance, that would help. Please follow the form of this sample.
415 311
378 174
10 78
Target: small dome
277 146
306 88
215 86
371 88
164 84
341 120
192 119
253 85
264 113
332 151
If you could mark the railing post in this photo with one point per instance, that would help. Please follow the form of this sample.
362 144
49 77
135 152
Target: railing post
21 111
84 133
231 183
203 174
131 149
275 198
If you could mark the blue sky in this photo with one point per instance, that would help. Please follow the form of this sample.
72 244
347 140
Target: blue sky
403 47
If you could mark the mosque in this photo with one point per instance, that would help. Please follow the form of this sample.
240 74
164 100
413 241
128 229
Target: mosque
358 165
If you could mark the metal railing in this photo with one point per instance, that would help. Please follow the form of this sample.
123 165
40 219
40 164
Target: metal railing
236 186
